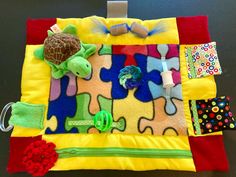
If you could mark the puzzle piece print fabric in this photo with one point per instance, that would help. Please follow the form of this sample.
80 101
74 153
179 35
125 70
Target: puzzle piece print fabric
129 51
132 110
121 57
111 75
82 115
172 58
150 59
61 108
64 91
83 119
175 93
162 123
73 115
55 90
106 64
143 92
135 55
97 61
164 55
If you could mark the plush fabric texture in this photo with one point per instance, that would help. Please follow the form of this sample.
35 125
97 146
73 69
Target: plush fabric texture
88 34
193 30
17 147
39 157
75 116
136 116
66 53
128 141
27 115
77 63
56 47
202 60
194 89
209 153
83 120
212 115
130 77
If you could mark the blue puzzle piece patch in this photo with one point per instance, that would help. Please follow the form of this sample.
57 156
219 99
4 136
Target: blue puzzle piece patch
64 106
107 75
143 92
118 92
175 92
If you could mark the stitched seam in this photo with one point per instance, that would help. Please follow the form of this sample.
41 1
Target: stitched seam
195 117
190 61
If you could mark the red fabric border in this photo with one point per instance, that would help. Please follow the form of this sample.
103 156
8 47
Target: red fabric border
209 153
17 147
193 30
37 30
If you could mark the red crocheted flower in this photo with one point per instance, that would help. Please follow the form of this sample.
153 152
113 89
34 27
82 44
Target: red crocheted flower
39 157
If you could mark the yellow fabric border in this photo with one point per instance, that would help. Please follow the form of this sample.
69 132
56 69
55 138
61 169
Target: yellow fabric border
36 87
85 28
118 140
122 163
195 89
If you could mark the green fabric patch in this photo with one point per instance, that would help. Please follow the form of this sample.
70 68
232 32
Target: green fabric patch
83 120
190 61
27 115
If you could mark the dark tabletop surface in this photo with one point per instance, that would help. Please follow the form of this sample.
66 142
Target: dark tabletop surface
13 15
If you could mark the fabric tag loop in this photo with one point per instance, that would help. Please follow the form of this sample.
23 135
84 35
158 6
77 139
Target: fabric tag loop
117 9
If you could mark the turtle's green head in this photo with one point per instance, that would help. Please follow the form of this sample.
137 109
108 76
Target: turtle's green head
80 67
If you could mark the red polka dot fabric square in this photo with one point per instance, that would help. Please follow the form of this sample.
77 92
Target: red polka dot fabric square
211 115
202 60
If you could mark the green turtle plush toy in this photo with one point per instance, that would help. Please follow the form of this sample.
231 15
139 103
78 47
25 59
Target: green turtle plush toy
64 52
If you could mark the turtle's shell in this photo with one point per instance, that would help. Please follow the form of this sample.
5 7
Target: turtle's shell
60 46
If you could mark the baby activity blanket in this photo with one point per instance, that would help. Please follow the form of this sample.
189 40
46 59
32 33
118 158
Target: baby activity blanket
119 93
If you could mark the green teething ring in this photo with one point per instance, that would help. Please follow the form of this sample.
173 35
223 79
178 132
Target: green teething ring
103 120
